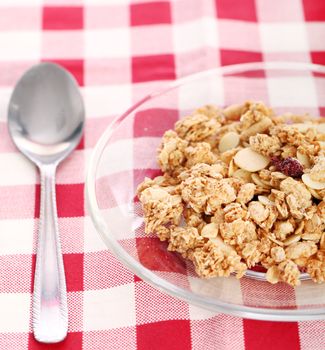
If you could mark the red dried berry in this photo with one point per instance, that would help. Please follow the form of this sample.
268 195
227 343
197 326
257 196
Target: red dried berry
276 161
289 166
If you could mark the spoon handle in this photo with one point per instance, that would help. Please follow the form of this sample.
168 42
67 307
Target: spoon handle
50 311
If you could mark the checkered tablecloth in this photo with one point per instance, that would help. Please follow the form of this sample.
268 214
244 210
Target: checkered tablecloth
119 50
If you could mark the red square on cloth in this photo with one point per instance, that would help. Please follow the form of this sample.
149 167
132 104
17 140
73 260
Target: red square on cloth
314 10
158 67
145 122
322 111
74 271
271 335
73 342
70 200
243 10
171 335
318 57
228 57
62 18
150 13
75 67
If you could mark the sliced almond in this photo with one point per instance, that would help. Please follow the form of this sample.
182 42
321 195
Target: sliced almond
301 262
300 228
264 200
233 112
243 174
257 180
303 159
311 236
312 184
278 175
292 239
257 128
273 274
210 230
315 194
228 141
231 169
250 160
275 241
322 241
303 127
261 190
316 220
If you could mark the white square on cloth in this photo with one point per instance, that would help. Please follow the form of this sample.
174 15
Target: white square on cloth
283 37
193 35
16 169
16 236
20 46
92 240
29 3
14 312
200 93
107 43
288 92
107 100
109 308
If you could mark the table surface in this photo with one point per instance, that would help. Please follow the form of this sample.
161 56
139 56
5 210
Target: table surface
119 50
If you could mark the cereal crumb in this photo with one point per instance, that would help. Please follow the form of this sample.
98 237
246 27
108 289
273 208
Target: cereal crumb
204 190
171 155
197 127
217 259
317 172
238 231
287 271
316 267
265 144
301 250
246 193
183 239
160 208
278 254
199 153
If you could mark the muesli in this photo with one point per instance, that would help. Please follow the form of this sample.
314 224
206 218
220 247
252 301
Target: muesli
242 186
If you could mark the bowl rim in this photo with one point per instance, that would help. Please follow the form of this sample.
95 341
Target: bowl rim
146 274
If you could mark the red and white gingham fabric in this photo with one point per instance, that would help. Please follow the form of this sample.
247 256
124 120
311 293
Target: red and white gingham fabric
118 50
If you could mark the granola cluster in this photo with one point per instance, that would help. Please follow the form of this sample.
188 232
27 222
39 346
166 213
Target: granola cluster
241 187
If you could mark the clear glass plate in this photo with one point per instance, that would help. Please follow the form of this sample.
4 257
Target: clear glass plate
126 153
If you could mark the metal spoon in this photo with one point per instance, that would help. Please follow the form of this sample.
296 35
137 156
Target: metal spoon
46 119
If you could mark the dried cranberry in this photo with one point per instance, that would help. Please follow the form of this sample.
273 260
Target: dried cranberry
276 161
289 166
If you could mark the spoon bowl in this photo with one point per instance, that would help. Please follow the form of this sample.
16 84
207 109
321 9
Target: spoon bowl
46 114
45 120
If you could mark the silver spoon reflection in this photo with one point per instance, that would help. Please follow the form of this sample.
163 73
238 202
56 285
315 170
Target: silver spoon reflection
45 120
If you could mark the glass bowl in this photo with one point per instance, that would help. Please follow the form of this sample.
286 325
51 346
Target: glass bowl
126 153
